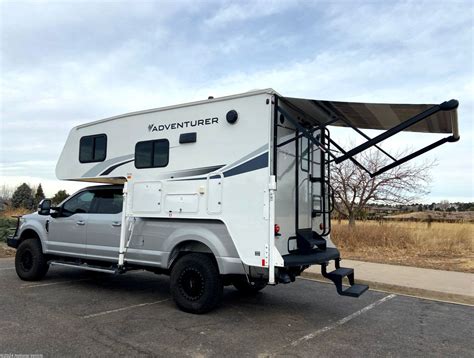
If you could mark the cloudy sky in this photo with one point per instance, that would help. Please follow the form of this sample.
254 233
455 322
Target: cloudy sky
68 62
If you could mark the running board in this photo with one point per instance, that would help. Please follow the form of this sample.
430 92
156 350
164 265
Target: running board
336 276
86 267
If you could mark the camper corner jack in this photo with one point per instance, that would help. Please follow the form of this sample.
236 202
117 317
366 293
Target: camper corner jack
123 229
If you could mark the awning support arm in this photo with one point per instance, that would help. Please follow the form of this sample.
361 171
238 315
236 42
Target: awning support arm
445 106
414 155
366 137
351 158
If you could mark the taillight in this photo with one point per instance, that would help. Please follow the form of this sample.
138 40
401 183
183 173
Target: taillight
321 226
277 229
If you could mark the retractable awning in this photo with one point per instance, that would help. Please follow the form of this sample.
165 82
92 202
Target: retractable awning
375 115
393 118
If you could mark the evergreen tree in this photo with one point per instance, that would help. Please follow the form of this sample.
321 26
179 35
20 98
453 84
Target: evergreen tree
39 194
59 197
23 197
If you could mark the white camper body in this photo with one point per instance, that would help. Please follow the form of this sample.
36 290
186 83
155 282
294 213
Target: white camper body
225 175
244 179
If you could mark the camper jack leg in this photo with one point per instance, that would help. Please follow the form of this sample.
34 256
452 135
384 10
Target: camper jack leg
123 229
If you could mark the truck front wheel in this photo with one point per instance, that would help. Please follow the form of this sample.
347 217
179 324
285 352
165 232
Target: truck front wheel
30 262
196 285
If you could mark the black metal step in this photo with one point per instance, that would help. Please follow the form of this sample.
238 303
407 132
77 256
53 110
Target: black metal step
307 239
355 290
337 276
316 256
342 272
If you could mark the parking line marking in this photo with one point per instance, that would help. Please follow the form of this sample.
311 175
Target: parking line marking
7 268
53 283
342 321
123 309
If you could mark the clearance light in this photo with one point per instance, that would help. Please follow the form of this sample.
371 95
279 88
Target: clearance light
277 228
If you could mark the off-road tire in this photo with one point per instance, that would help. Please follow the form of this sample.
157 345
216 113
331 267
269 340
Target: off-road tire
196 285
243 285
30 262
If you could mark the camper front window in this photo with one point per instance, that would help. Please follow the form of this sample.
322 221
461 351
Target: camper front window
152 153
93 148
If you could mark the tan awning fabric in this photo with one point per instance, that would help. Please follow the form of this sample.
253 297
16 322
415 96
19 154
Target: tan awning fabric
373 115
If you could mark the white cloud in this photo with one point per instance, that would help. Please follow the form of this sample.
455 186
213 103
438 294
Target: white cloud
232 12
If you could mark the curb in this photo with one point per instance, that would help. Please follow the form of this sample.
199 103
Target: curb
408 291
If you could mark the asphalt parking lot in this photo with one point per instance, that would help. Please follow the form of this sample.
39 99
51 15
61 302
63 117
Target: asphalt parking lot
78 313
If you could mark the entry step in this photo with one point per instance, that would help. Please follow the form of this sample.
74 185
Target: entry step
315 256
355 290
337 276
342 271
308 239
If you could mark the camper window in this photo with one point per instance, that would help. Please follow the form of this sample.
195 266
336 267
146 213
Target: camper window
152 153
93 148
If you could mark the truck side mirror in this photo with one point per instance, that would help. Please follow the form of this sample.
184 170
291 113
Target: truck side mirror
44 207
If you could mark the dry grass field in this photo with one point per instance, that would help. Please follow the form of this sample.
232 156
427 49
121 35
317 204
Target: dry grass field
445 246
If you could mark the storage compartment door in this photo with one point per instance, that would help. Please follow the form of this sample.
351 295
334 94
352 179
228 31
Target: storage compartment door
215 183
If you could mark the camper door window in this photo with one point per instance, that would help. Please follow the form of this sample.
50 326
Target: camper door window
152 154
93 148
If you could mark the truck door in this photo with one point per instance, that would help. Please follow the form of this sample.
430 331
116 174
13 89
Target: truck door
103 226
67 231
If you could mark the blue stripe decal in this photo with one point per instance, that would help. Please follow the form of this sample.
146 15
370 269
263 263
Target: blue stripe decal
113 167
253 164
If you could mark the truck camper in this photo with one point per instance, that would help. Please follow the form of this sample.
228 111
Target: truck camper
226 191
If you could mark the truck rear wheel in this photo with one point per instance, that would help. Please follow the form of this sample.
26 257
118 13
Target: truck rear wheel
196 285
243 285
30 262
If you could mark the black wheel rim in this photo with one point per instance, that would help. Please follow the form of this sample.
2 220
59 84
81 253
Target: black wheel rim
26 260
191 284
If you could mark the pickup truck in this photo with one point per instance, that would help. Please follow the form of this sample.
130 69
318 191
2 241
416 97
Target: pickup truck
84 232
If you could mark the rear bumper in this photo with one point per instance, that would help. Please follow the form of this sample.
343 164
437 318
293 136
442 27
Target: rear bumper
316 257
12 241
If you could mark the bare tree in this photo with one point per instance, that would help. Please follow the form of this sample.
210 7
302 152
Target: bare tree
444 205
354 188
6 192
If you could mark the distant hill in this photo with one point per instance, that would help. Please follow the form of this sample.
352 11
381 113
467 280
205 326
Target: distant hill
464 216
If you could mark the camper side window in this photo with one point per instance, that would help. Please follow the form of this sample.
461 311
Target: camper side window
93 148
152 154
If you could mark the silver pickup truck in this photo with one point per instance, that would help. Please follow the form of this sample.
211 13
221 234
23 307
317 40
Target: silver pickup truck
84 232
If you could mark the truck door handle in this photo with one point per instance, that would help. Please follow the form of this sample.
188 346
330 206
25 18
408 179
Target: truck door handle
80 222
116 223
